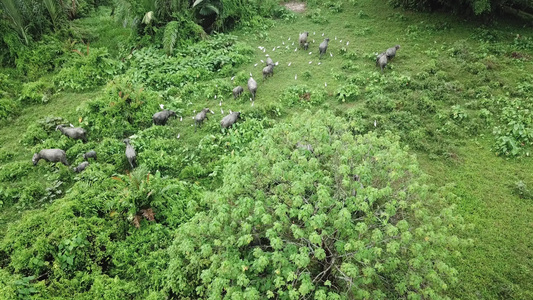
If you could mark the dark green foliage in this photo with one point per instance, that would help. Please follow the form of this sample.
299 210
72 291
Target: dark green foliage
317 17
28 20
87 70
476 7
36 92
14 171
8 108
121 111
302 95
42 57
40 130
350 219
194 63
70 247
347 93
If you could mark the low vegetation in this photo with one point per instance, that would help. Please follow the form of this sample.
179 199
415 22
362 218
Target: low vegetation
335 180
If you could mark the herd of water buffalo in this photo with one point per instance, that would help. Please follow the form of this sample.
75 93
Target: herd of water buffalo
161 117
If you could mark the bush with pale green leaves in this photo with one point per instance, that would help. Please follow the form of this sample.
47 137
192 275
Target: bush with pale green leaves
313 211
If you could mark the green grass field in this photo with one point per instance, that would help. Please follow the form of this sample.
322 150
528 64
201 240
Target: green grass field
499 265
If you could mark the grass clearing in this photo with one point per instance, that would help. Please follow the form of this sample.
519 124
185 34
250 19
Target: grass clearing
500 262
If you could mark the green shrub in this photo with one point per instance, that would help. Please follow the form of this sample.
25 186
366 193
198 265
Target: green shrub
36 92
514 134
333 6
317 17
348 93
14 171
523 190
40 130
42 57
121 111
198 62
302 95
87 70
8 108
352 218
9 85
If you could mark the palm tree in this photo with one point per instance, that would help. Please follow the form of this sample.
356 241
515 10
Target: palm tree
15 19
207 11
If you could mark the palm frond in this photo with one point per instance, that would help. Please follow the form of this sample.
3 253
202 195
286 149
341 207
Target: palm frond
15 18
209 9
170 36
52 11
148 17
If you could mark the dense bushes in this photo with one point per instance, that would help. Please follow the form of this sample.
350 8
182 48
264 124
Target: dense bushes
477 7
348 217
90 236
87 70
8 108
202 61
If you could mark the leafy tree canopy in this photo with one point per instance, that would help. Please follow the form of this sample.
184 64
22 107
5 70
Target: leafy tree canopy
313 211
477 7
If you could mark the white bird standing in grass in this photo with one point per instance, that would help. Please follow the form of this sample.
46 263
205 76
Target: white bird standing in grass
295 49
347 43
252 103
375 123
181 118
215 96
178 135
232 78
310 62
221 111
331 54
162 106
289 64
295 76
319 63
255 65
325 84
310 53
220 103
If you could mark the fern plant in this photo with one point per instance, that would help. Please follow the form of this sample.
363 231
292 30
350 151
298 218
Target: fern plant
170 36
15 19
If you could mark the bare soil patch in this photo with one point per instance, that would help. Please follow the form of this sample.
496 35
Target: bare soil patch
295 6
